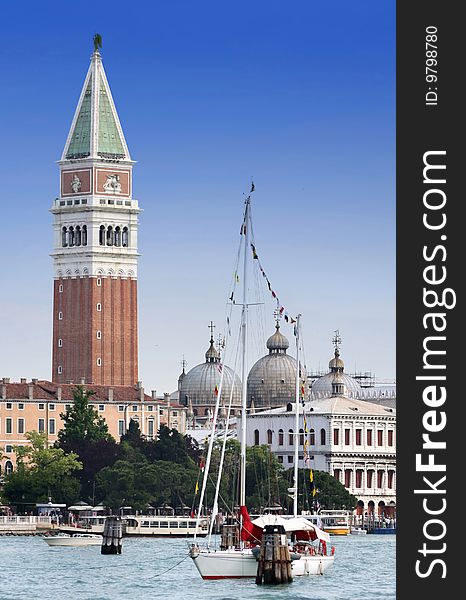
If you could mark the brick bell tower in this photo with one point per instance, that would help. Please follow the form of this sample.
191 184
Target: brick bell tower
95 256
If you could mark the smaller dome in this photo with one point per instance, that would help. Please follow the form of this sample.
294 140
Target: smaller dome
336 364
212 355
277 342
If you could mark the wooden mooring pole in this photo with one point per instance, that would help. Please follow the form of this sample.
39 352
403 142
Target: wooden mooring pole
112 537
274 565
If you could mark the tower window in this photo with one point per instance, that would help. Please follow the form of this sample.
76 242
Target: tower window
59 369
117 236
60 343
99 335
64 241
99 281
99 307
125 237
110 236
60 316
78 236
71 237
99 362
102 235
60 288
84 234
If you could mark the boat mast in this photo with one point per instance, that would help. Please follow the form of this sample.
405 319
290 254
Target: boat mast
296 426
244 320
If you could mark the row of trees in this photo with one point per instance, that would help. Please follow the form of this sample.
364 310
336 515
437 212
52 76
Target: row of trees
86 462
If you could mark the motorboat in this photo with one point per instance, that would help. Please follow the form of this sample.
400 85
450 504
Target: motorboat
76 539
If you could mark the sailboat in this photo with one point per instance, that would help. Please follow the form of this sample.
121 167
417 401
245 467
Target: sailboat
240 541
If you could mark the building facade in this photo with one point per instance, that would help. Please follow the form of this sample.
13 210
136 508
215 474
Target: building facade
95 255
37 405
353 440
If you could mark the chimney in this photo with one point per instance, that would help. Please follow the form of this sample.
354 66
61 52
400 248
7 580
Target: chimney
154 394
34 380
23 380
58 394
166 397
141 392
3 391
110 394
139 385
31 391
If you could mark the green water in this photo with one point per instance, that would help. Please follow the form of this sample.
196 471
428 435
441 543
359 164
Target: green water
364 569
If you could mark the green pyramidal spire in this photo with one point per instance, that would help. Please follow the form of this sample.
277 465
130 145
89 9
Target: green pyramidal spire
96 131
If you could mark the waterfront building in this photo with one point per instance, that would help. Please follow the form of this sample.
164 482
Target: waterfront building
37 405
353 440
95 255
199 387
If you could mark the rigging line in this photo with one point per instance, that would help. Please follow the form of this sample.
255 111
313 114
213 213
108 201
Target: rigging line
222 456
167 570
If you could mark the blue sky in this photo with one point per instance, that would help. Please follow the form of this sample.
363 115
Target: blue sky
299 95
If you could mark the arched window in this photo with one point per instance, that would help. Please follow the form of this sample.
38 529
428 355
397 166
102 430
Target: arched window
78 236
110 236
125 237
290 437
64 241
71 236
84 235
312 437
289 407
323 437
256 437
102 235
280 437
8 467
301 437
117 236
269 436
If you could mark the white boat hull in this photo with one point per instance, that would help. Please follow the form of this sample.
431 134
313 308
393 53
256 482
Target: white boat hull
236 564
73 541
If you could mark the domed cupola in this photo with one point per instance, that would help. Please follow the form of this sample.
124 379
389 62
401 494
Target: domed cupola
335 382
336 365
277 343
212 355
199 387
272 379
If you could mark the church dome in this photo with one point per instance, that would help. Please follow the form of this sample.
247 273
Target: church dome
324 385
200 385
272 379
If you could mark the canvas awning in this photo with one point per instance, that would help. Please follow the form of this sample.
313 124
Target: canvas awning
293 524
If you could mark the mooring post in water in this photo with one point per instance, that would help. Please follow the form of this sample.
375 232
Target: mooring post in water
274 565
112 537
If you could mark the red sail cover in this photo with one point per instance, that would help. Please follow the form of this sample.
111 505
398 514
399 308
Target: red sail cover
250 532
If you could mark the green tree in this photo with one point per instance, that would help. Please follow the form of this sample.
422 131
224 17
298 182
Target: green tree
81 423
331 494
42 472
